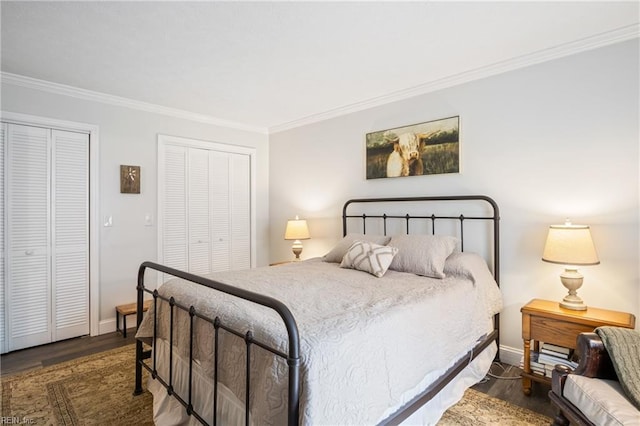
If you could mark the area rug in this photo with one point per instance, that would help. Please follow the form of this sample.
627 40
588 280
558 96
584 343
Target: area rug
92 390
477 408
97 390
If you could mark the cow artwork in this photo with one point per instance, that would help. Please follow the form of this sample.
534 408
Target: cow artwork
406 158
421 149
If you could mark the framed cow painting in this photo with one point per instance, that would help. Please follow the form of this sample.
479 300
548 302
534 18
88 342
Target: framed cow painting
428 148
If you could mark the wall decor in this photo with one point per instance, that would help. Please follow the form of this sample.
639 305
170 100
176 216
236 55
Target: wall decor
129 179
428 148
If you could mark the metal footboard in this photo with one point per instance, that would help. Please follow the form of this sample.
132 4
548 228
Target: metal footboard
292 357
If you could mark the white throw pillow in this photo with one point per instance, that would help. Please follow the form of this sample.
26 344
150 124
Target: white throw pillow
369 257
422 254
337 253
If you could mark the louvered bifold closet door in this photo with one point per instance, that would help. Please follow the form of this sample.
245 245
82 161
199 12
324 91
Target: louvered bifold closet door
28 234
199 203
204 206
220 211
231 211
3 133
70 237
174 217
240 207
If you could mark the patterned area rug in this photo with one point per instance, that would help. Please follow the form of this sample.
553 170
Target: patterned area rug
477 408
93 390
97 390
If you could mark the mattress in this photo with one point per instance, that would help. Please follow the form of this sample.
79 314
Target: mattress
367 344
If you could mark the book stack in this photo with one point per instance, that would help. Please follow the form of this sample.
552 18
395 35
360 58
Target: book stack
536 366
550 355
544 362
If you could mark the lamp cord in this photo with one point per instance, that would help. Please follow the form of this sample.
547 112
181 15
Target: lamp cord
500 376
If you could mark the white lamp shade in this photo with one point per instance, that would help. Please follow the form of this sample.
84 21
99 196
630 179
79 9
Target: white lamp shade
570 245
297 229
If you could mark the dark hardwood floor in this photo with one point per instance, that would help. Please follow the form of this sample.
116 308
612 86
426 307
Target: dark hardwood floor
41 356
511 390
53 353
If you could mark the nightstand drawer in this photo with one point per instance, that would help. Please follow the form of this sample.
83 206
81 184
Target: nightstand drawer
555 331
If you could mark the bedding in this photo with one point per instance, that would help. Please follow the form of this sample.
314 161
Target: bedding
423 255
336 254
366 342
369 257
168 411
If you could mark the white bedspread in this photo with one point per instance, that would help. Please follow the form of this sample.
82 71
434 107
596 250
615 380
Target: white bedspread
366 342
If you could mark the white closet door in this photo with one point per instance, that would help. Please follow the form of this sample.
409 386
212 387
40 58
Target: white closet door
28 218
205 207
240 208
70 238
174 202
199 238
3 133
220 211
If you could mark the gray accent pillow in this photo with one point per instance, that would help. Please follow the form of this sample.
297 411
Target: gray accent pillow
337 253
369 257
422 254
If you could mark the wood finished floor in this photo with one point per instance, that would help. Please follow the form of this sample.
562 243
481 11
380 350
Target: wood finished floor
41 356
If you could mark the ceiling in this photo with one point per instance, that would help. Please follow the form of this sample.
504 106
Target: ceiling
267 66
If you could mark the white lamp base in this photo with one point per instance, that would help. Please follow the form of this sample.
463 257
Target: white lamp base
297 248
572 280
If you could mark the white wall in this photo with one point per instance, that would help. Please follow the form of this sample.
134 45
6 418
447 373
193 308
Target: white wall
555 140
129 136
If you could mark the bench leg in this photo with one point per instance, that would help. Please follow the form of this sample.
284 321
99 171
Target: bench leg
124 326
118 322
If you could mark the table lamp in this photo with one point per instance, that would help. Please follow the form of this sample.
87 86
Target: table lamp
570 245
296 230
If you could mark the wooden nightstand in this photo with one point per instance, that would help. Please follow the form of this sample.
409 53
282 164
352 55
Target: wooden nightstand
546 321
281 263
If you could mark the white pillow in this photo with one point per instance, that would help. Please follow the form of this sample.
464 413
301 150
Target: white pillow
369 257
337 253
422 254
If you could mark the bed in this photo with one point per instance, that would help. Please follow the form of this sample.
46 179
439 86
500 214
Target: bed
328 341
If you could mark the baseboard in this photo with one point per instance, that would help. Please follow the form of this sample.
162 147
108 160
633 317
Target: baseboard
511 356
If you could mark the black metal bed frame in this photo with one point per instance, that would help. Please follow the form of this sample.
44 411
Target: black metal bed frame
292 356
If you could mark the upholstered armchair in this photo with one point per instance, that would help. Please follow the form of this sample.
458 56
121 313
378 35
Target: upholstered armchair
591 394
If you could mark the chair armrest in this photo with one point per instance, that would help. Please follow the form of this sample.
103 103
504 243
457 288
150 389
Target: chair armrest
594 358
594 363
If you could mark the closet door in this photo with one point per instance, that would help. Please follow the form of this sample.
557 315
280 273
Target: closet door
220 212
70 234
231 211
205 209
28 301
173 197
240 209
3 133
199 203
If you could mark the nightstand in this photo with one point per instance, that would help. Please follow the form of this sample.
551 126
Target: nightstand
546 321
281 263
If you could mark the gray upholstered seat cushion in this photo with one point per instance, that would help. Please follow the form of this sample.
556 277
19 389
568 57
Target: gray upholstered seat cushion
601 401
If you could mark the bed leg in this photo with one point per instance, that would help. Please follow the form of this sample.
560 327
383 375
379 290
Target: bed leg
139 354
138 389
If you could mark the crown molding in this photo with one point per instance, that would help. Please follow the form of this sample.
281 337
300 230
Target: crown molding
90 95
593 42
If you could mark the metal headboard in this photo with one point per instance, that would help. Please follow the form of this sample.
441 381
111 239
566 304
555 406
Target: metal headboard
494 218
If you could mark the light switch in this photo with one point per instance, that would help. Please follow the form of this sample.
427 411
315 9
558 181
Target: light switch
148 219
108 221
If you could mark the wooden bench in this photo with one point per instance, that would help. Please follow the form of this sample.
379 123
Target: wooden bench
128 309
